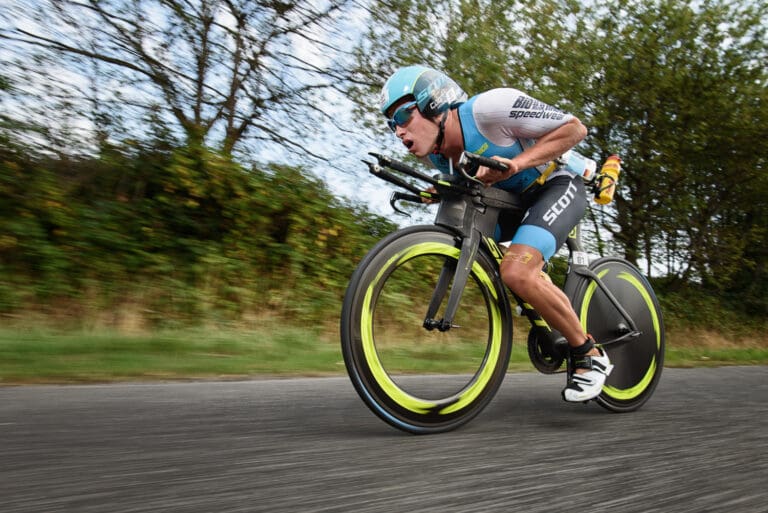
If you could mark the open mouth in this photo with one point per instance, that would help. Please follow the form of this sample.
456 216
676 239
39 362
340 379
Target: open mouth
408 144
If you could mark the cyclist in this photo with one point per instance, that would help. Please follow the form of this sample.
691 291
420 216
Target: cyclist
434 119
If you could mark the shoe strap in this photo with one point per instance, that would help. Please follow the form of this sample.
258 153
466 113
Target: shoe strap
583 348
577 358
582 362
589 363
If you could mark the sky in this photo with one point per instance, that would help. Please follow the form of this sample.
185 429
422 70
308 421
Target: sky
344 172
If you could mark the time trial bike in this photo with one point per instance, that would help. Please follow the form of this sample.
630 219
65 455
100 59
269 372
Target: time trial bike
426 322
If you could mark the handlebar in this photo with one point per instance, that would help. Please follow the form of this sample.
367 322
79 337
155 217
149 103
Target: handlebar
473 161
468 165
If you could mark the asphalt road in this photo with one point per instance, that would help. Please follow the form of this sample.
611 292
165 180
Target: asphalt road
310 445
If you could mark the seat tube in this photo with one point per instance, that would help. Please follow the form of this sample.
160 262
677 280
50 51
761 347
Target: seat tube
577 255
577 259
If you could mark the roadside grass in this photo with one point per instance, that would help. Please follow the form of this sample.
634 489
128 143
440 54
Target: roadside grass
693 357
45 356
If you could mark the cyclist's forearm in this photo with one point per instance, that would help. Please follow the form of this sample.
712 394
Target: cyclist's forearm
551 145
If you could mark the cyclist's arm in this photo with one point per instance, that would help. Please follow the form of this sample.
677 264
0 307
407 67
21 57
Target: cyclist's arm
507 115
547 147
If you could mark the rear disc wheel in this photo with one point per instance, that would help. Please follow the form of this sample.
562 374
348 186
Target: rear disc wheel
638 358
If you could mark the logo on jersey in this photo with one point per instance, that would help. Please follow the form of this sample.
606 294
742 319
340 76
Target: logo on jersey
527 107
559 206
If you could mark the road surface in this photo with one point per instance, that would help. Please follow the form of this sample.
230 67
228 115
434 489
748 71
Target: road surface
310 445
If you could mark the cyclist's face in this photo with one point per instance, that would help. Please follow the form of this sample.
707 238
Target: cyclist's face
417 133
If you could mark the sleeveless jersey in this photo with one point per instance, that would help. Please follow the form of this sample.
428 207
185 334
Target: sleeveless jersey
504 122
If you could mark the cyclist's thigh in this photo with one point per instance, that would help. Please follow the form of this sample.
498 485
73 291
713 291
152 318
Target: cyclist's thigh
554 210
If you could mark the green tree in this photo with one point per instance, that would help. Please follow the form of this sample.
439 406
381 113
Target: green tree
674 90
216 72
677 89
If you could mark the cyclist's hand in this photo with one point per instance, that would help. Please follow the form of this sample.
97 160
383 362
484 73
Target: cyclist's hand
490 176
429 200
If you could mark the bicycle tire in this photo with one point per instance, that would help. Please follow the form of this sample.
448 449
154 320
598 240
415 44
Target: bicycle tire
638 362
384 307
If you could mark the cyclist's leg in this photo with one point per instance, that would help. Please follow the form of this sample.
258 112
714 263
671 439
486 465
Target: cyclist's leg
521 272
555 209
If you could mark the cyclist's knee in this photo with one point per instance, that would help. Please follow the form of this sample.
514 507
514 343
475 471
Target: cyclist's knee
520 268
521 279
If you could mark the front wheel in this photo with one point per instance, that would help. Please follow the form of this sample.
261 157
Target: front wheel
416 379
637 355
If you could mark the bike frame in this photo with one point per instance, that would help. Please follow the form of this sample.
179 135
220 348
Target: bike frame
471 213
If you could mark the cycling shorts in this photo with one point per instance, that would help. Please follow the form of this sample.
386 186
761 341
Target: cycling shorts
551 212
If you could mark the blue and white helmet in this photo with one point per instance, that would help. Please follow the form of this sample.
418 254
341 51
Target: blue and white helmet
434 91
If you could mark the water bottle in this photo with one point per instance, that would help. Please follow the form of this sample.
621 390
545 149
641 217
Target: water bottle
609 175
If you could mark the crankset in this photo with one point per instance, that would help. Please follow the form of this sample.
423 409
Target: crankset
545 355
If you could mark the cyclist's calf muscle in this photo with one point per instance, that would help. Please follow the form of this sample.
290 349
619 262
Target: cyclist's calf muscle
524 279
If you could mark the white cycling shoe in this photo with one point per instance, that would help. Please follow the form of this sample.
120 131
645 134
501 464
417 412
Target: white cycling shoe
586 386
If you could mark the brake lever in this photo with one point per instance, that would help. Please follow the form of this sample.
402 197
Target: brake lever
393 203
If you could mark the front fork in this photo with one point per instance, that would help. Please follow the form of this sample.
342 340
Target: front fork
458 272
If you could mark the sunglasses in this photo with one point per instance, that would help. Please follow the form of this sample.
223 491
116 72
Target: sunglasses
401 116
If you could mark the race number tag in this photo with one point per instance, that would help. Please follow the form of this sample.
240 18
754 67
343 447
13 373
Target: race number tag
580 258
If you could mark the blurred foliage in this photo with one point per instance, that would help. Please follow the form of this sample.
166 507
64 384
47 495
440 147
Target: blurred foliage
222 74
143 237
167 231
177 236
677 89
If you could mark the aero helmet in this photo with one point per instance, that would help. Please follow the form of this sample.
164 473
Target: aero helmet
434 91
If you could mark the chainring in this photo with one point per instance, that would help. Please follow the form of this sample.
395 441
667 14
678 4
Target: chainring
544 357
